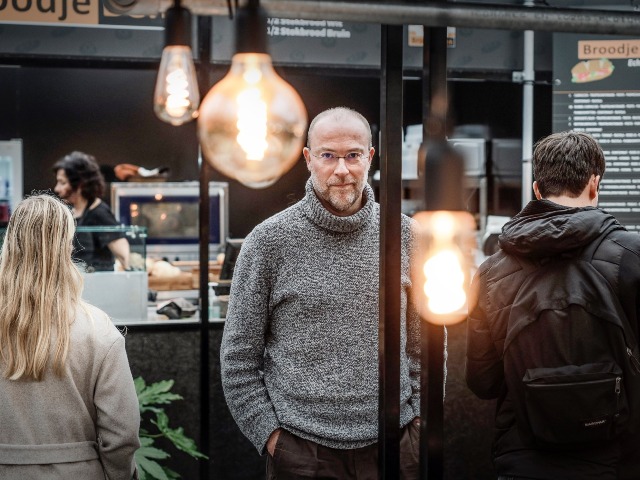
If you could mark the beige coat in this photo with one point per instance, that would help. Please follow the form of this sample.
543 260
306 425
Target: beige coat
83 425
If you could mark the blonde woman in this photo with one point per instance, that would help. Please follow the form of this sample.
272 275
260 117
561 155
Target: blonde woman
68 406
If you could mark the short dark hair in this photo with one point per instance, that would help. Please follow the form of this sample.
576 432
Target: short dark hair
82 170
564 162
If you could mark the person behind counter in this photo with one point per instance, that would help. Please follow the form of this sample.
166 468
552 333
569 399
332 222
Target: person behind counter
80 183
68 404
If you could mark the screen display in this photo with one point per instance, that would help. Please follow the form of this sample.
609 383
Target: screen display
169 220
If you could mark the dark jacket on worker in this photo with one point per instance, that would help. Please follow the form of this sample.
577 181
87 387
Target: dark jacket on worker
543 230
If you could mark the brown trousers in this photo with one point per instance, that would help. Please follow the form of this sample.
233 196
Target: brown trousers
295 458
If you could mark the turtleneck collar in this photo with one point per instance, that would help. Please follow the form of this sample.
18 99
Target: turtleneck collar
319 215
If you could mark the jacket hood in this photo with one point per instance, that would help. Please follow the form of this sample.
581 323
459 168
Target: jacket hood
545 229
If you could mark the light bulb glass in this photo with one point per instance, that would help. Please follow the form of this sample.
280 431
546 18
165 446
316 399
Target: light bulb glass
444 284
440 265
252 123
176 97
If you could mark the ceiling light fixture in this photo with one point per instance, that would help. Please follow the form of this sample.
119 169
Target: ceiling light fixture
445 239
176 96
252 123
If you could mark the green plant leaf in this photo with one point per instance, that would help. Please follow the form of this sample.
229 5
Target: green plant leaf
150 467
152 452
139 383
186 444
147 408
171 474
149 397
145 441
156 393
177 437
162 421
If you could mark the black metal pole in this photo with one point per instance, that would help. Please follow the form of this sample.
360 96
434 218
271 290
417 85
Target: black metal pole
203 217
432 336
390 235
444 171
204 78
431 431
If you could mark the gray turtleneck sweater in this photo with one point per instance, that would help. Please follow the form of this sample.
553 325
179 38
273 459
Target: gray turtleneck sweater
300 344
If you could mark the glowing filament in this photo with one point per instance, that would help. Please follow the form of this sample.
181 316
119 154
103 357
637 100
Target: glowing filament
177 93
252 123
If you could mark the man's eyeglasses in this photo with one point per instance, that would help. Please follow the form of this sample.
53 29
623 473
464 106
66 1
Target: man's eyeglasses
351 158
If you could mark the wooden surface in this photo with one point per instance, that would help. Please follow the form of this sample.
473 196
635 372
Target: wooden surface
183 281
187 280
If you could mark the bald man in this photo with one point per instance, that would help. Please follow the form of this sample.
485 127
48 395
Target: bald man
300 347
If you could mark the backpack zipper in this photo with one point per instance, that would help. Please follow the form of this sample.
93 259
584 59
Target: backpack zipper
617 390
634 360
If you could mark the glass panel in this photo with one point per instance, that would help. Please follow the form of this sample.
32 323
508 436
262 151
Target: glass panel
135 235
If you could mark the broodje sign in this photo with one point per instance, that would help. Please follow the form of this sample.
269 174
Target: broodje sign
595 55
49 11
594 49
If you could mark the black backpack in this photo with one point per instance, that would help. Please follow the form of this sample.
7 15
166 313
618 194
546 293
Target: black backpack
570 358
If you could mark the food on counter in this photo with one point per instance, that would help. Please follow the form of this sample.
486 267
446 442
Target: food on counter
136 262
591 70
167 276
149 263
164 269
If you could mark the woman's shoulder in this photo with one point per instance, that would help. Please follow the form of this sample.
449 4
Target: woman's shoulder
99 213
92 326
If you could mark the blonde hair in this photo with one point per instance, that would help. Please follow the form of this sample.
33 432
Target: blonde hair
40 288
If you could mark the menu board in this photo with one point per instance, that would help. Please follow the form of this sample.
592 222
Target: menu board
597 91
308 42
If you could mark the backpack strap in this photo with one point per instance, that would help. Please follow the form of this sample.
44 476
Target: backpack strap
587 255
590 250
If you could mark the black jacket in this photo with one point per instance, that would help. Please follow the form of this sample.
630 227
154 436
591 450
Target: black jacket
544 229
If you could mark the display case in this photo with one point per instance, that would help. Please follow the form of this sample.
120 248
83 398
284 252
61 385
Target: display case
122 294
10 177
169 210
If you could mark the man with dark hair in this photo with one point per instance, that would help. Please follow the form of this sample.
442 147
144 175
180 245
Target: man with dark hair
555 229
299 353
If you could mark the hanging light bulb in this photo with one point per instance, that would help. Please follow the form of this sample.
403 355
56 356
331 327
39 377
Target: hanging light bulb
441 269
252 123
176 96
445 238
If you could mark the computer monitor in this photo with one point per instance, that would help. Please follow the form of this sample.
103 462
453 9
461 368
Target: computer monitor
231 251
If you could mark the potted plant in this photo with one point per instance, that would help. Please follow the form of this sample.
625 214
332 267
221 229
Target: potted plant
154 425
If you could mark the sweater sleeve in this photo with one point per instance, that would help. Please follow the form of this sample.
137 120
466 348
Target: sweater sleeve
243 344
413 354
484 369
118 415
413 320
